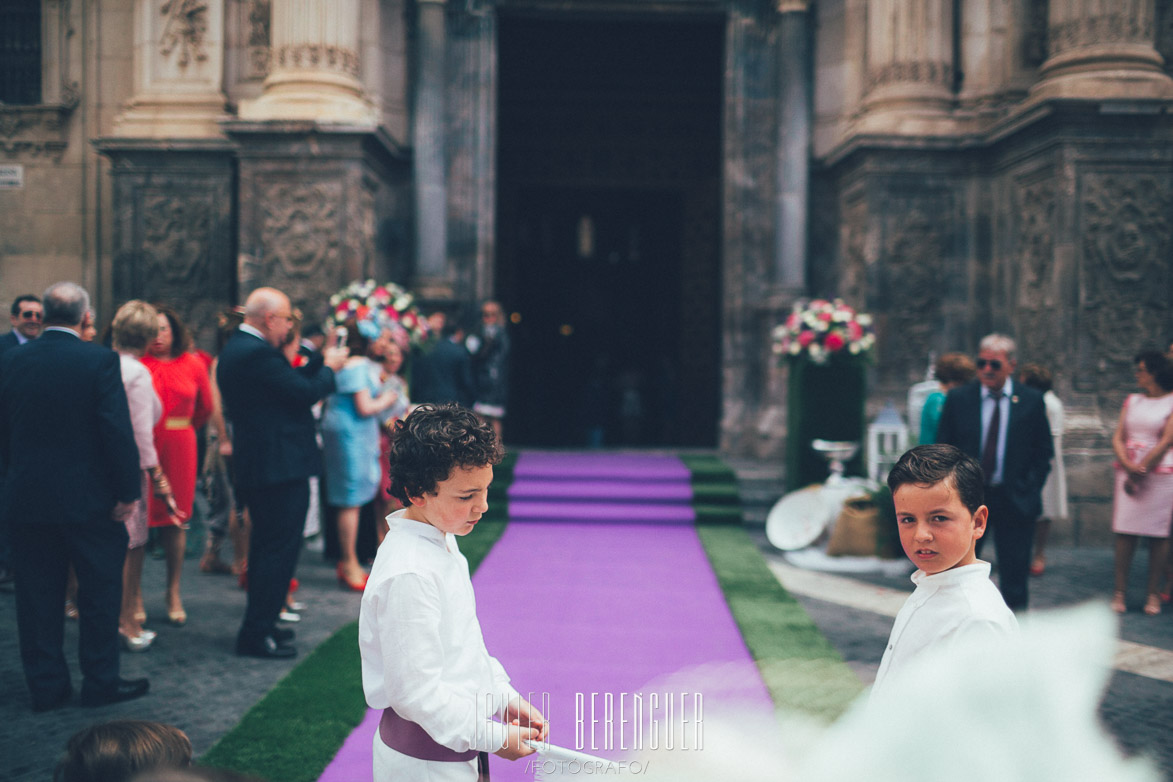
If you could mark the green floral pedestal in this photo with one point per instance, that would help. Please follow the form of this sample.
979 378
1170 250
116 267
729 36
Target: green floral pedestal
823 401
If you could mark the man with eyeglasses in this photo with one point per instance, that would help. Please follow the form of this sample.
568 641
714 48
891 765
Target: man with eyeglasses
1004 426
275 453
26 317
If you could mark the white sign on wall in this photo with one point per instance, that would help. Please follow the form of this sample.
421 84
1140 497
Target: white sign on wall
11 177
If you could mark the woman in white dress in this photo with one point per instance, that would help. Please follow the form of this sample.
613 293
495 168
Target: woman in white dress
1055 489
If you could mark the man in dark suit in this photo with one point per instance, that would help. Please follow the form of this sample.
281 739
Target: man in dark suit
1004 426
26 324
442 372
71 476
274 454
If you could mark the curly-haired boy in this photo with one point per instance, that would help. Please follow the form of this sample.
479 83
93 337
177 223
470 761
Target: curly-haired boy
424 660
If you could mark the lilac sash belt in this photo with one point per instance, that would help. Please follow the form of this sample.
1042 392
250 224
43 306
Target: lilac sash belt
410 739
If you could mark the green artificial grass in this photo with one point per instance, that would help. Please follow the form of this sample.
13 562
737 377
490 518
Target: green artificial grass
801 669
320 702
716 497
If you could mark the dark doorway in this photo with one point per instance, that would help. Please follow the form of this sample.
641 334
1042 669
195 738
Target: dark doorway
608 228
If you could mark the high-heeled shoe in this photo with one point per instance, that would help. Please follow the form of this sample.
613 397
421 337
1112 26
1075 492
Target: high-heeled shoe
177 618
353 586
136 643
1152 606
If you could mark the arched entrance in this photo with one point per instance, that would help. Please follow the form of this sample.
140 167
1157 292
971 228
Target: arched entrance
609 219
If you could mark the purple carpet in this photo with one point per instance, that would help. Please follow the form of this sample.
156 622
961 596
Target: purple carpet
573 609
601 487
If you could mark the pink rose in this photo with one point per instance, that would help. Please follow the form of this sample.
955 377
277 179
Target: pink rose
833 342
806 337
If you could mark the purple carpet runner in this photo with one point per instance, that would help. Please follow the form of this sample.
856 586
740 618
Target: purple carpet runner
593 487
572 609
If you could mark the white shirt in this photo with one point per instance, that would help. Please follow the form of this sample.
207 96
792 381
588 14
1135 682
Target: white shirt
1003 424
422 649
247 329
955 606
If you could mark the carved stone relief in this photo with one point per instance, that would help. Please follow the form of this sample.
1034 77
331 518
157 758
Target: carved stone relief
317 56
1126 283
177 251
184 29
176 232
1117 26
35 131
938 74
1034 207
259 15
913 263
853 271
300 226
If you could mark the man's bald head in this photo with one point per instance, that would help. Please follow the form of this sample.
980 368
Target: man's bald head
268 311
262 301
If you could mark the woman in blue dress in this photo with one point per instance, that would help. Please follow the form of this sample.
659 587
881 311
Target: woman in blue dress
350 442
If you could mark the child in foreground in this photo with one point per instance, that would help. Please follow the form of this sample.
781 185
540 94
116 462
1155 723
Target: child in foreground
937 491
424 660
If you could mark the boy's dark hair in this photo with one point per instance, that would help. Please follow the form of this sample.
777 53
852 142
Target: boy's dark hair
927 465
432 442
113 751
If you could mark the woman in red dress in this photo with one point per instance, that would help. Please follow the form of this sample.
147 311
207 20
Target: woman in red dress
181 380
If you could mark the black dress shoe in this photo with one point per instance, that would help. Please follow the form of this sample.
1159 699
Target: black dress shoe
268 648
121 690
54 701
282 634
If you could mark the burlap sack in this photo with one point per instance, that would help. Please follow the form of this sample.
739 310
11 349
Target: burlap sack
858 531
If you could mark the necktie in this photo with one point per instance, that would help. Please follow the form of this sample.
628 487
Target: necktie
990 451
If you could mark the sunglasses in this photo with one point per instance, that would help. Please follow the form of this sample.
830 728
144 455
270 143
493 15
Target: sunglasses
30 315
992 363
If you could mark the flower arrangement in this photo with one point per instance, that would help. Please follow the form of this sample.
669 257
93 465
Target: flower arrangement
820 329
377 306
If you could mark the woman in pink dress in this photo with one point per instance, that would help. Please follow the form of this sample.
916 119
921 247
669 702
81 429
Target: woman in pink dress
1143 504
181 381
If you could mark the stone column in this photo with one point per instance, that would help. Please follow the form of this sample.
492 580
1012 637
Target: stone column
433 278
1101 50
178 71
471 151
314 66
794 130
909 78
